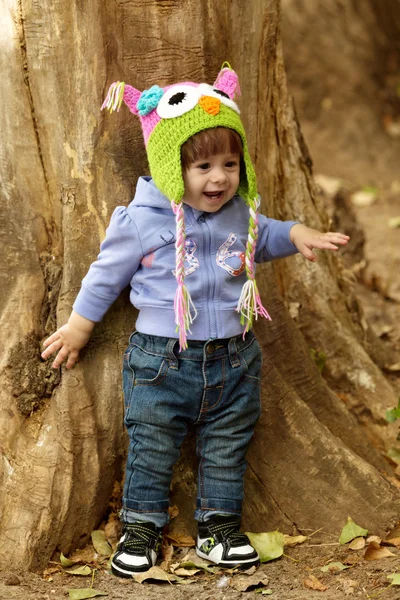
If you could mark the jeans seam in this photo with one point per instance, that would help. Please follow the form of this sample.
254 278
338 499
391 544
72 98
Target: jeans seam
126 365
159 378
207 408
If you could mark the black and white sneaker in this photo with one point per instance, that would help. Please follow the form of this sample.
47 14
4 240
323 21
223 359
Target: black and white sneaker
137 549
220 541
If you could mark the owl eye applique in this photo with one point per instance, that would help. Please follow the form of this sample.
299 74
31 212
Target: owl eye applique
209 90
177 101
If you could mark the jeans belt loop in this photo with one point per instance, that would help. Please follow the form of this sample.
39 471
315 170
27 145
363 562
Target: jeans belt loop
171 356
233 355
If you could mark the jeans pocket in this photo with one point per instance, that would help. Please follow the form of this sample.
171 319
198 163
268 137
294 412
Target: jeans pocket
149 369
251 360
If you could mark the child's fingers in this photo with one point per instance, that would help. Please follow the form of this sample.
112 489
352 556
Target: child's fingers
308 253
72 358
55 345
324 245
51 339
61 356
337 238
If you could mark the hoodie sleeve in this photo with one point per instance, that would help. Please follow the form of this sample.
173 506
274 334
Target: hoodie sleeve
273 239
119 259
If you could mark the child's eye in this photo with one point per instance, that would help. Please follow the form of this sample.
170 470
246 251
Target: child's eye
231 163
204 166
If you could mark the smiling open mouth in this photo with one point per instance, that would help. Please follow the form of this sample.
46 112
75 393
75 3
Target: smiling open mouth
214 195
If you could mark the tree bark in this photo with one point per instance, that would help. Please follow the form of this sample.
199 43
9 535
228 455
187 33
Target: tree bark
315 459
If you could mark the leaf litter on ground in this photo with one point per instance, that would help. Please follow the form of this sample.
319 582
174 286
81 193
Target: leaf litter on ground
66 562
180 540
314 584
376 552
395 577
289 541
245 583
350 531
100 543
84 593
157 574
268 545
83 570
334 567
357 544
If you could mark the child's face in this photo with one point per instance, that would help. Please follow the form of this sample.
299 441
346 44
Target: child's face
211 182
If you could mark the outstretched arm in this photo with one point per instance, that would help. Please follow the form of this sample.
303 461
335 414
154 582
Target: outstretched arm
306 239
68 340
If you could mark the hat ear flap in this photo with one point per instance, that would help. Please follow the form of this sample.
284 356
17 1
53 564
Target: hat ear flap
228 82
118 92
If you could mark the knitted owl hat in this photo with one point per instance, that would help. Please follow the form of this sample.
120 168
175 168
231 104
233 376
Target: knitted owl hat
169 117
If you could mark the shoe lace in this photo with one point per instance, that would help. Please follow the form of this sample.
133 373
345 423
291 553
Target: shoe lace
139 537
230 531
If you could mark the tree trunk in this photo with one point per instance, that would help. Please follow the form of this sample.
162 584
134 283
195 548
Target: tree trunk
315 459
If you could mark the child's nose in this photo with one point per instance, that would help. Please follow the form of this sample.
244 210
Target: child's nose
218 175
210 105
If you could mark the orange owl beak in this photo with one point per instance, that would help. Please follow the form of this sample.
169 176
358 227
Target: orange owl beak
210 105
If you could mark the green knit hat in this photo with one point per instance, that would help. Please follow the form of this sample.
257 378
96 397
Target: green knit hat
169 117
165 142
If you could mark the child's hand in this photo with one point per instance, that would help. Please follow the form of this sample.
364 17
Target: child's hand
305 239
68 340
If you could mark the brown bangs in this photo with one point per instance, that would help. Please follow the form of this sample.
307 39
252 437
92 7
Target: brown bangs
218 140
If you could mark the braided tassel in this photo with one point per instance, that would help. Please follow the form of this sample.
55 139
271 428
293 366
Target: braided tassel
114 97
183 304
250 305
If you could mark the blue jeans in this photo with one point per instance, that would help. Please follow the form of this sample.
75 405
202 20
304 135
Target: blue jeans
213 385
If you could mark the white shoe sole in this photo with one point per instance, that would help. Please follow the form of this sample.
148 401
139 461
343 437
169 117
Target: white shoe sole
245 563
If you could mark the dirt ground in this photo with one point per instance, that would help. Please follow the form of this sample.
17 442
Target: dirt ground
286 577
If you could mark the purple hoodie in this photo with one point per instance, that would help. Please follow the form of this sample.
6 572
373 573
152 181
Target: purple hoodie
139 249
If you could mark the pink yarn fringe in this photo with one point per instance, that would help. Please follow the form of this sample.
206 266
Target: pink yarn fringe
183 305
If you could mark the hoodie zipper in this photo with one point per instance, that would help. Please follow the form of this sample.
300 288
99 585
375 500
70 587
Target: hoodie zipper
210 270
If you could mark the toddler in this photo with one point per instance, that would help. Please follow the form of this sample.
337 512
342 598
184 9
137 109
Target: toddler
193 358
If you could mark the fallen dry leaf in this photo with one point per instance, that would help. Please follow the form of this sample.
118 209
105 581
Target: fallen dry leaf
50 571
100 543
243 583
394 533
250 571
173 511
376 552
113 532
83 570
167 553
314 584
289 541
357 544
392 542
374 538
155 573
334 567
192 561
180 540
84 555
182 572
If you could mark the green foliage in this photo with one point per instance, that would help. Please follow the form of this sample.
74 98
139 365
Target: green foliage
319 357
351 531
268 545
393 414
